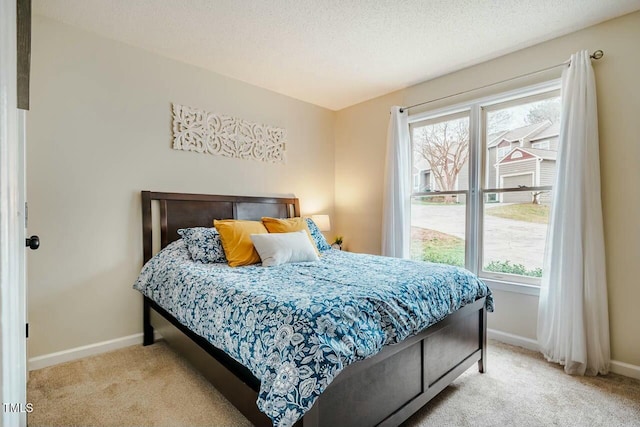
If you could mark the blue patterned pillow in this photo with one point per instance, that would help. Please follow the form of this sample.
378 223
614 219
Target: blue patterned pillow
204 244
316 235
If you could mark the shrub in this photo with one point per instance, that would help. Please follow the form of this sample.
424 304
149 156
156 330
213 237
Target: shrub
507 267
443 257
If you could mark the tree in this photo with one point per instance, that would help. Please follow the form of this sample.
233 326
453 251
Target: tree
499 121
535 197
445 146
544 110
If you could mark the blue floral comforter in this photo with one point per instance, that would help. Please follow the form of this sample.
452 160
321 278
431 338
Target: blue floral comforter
297 326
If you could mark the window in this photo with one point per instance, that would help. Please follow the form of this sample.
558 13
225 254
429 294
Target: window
543 145
502 151
438 222
487 210
516 155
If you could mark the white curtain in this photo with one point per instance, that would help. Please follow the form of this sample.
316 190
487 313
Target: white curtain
397 192
573 319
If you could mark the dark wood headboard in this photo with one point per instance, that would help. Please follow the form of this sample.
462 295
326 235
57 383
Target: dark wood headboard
183 210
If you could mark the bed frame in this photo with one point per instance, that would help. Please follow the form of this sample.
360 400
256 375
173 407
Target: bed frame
383 390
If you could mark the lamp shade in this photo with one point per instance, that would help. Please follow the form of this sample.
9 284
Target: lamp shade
322 221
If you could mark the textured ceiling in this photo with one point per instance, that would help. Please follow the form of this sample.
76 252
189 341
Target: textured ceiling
333 53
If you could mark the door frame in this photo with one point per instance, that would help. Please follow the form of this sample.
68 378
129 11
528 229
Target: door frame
12 251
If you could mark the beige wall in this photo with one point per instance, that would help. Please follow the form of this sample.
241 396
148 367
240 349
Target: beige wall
99 131
359 174
360 148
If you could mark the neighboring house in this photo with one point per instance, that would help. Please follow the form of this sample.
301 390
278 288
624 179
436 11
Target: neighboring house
521 156
525 156
423 179
547 139
529 167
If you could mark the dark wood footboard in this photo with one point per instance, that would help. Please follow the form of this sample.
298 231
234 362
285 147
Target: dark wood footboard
389 387
383 390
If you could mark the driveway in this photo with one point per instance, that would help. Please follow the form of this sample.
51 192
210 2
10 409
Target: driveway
519 242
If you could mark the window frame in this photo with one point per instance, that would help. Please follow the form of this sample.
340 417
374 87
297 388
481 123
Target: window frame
476 109
488 189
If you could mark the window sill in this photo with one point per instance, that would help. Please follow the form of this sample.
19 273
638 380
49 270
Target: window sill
519 288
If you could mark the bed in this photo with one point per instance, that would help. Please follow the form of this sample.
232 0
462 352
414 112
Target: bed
361 384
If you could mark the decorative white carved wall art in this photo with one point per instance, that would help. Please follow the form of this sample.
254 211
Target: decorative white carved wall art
205 132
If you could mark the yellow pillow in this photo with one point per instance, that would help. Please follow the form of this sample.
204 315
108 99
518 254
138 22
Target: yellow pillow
235 236
288 225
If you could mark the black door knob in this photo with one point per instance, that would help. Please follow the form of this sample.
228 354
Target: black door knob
33 242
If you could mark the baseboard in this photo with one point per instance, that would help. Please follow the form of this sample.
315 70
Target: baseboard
626 369
621 368
512 339
51 359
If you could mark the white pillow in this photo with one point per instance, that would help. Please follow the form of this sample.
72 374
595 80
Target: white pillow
281 248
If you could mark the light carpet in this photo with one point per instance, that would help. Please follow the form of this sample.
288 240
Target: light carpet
152 386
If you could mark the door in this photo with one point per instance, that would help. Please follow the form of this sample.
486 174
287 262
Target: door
13 354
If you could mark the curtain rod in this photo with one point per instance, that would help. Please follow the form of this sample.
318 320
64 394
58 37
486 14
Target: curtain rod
598 54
